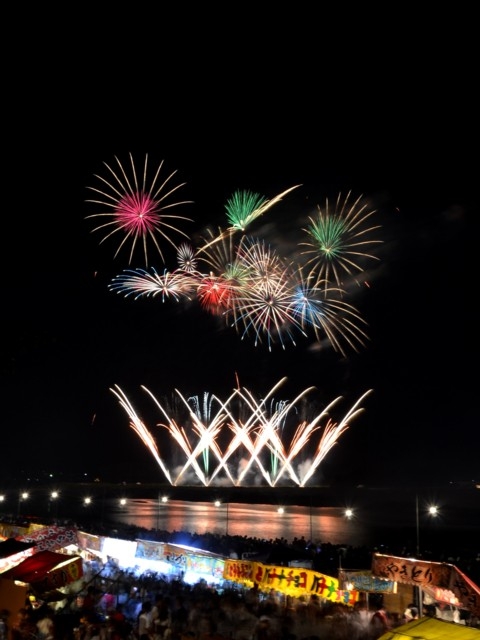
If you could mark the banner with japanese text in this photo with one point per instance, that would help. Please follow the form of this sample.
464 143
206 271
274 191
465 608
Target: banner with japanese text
429 574
51 537
290 581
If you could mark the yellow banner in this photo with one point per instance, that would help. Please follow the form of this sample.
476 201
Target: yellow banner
290 581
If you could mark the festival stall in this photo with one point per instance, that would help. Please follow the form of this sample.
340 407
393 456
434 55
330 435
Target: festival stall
433 577
175 560
46 570
37 575
290 581
431 629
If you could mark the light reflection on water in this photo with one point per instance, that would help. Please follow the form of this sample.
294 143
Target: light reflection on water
327 524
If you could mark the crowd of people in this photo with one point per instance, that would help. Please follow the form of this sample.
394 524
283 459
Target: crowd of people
173 610
156 607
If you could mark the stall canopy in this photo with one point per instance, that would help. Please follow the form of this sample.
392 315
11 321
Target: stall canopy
431 629
11 546
47 570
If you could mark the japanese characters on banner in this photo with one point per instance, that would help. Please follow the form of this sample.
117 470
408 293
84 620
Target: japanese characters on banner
429 574
50 537
290 581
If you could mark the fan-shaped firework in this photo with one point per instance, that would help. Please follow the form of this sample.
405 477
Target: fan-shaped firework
139 282
136 210
275 444
338 237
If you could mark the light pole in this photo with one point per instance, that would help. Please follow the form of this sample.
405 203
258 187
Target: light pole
164 500
53 498
311 524
418 525
432 511
218 503
21 496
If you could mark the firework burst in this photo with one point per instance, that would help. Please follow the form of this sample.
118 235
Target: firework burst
243 208
317 306
141 283
234 276
137 210
338 237
186 258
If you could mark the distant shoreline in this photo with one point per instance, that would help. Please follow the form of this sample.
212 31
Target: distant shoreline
453 496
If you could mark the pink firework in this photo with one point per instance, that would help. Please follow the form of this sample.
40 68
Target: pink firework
137 210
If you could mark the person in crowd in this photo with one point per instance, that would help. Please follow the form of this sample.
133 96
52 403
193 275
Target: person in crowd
161 619
24 627
118 624
46 624
379 622
266 629
410 613
145 625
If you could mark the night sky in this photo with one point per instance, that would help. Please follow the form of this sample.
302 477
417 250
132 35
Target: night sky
402 131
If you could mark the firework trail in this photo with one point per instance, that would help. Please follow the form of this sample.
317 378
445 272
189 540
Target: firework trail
268 428
137 210
258 437
140 429
332 433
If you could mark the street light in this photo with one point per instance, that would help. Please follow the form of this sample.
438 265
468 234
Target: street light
432 511
53 497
